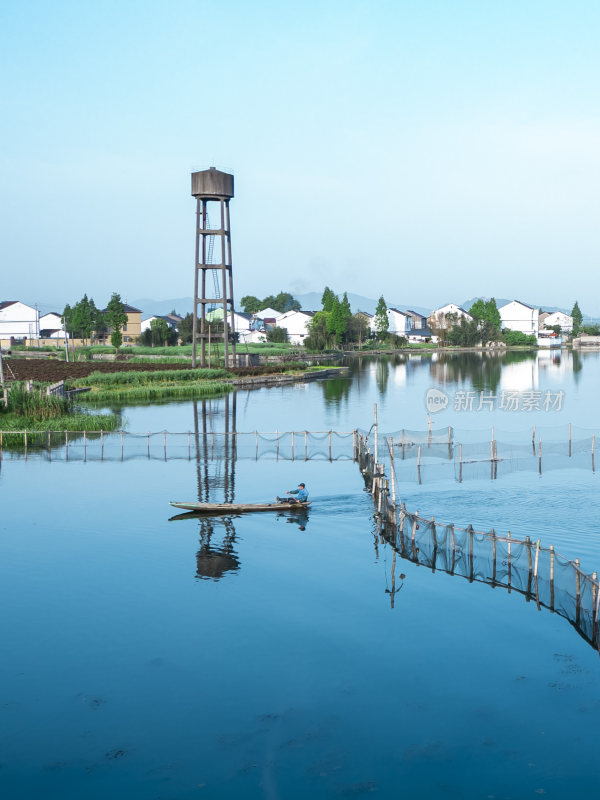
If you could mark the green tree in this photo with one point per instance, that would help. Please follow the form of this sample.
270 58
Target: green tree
487 316
465 334
277 335
251 304
285 301
159 331
318 338
336 321
358 329
327 299
382 323
577 318
115 317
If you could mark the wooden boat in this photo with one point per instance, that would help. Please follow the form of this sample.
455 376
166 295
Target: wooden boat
238 508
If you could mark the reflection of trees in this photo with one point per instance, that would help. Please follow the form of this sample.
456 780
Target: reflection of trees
481 370
382 374
577 365
335 390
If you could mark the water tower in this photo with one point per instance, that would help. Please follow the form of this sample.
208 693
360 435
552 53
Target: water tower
213 279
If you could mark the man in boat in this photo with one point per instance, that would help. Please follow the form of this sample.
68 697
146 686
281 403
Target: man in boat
300 492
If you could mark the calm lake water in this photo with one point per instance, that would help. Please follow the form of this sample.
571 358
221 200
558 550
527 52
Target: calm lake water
265 656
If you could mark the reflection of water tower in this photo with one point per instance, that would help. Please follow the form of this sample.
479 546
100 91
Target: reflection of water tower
213 280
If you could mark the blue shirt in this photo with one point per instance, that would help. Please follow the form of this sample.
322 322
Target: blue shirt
302 494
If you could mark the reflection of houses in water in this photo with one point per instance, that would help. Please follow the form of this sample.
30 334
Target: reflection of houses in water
555 362
520 376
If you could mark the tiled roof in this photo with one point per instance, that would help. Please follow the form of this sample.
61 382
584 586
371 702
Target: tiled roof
7 303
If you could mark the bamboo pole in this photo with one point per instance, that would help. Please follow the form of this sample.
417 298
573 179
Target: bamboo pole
419 463
392 471
537 558
493 532
530 575
414 527
577 592
509 548
375 433
471 559
401 526
453 549
540 454
552 578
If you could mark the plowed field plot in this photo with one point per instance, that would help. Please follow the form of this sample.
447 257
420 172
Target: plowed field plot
52 371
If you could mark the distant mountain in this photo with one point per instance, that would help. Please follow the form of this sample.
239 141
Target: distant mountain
149 308
500 301
311 301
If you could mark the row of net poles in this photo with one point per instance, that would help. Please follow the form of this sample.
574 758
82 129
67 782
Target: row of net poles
212 185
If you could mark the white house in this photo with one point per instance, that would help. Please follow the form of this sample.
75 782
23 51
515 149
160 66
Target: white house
517 316
557 318
268 313
51 325
296 323
241 320
147 323
399 322
447 316
18 320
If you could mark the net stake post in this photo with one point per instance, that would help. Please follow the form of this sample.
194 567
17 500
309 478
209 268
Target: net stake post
530 574
375 432
577 592
471 570
493 532
552 578
509 547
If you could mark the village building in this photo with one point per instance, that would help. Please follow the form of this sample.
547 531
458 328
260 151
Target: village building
18 321
550 319
447 316
131 330
417 320
168 318
51 326
296 324
518 316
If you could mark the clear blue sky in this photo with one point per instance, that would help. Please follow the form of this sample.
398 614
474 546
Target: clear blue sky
428 150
